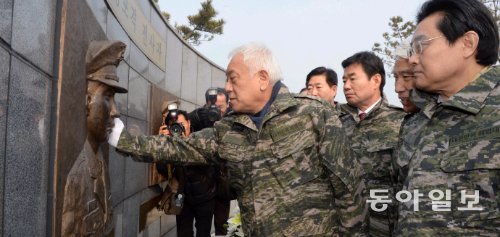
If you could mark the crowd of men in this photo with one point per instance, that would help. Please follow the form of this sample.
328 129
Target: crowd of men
305 165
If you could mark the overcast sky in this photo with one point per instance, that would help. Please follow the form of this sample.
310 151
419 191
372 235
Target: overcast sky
303 34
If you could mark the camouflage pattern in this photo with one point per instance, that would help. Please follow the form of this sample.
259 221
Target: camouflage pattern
295 176
374 139
457 149
408 137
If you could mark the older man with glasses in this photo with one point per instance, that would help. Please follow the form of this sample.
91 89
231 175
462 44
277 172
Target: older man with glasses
454 174
288 158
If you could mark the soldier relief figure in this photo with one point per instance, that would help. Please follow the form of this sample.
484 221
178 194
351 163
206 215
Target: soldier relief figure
87 198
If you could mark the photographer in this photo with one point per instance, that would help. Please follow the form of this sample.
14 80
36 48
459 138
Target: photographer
215 108
196 182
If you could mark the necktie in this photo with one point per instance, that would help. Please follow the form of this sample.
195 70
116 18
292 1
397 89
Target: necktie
362 116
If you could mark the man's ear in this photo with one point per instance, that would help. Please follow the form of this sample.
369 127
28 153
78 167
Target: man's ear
264 80
377 79
470 42
334 88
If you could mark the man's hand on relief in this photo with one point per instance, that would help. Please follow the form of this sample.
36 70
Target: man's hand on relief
115 132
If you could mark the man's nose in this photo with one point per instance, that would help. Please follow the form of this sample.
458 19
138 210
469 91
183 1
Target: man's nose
413 59
314 92
228 87
347 85
399 86
114 113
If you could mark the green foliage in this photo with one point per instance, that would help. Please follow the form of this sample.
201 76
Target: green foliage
202 26
166 15
400 30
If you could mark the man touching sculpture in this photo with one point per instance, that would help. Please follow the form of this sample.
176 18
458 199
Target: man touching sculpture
87 198
288 158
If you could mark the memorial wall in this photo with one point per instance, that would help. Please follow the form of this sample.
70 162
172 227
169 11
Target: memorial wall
43 44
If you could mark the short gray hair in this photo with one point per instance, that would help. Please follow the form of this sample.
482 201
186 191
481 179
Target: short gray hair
258 57
402 51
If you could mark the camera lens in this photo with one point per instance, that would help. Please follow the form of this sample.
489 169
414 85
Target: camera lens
176 129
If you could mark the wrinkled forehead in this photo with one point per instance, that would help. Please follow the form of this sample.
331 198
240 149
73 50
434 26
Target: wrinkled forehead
317 79
402 64
403 71
236 60
428 27
355 69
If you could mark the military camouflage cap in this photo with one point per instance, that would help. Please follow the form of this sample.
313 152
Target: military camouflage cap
102 60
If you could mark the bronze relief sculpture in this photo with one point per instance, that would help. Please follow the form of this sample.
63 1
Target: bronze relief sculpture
87 198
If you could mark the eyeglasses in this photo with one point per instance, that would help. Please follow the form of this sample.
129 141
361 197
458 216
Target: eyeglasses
417 47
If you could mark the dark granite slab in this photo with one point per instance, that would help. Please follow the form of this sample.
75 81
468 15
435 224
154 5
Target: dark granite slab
35 41
26 160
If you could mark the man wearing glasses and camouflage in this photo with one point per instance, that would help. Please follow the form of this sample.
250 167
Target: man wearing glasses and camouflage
288 158
454 174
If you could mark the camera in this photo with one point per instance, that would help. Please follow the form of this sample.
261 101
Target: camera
175 128
207 115
214 113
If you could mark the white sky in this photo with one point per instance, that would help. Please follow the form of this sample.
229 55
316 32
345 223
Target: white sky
303 34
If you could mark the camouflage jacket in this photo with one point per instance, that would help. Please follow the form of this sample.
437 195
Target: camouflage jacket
457 153
407 141
295 176
374 139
